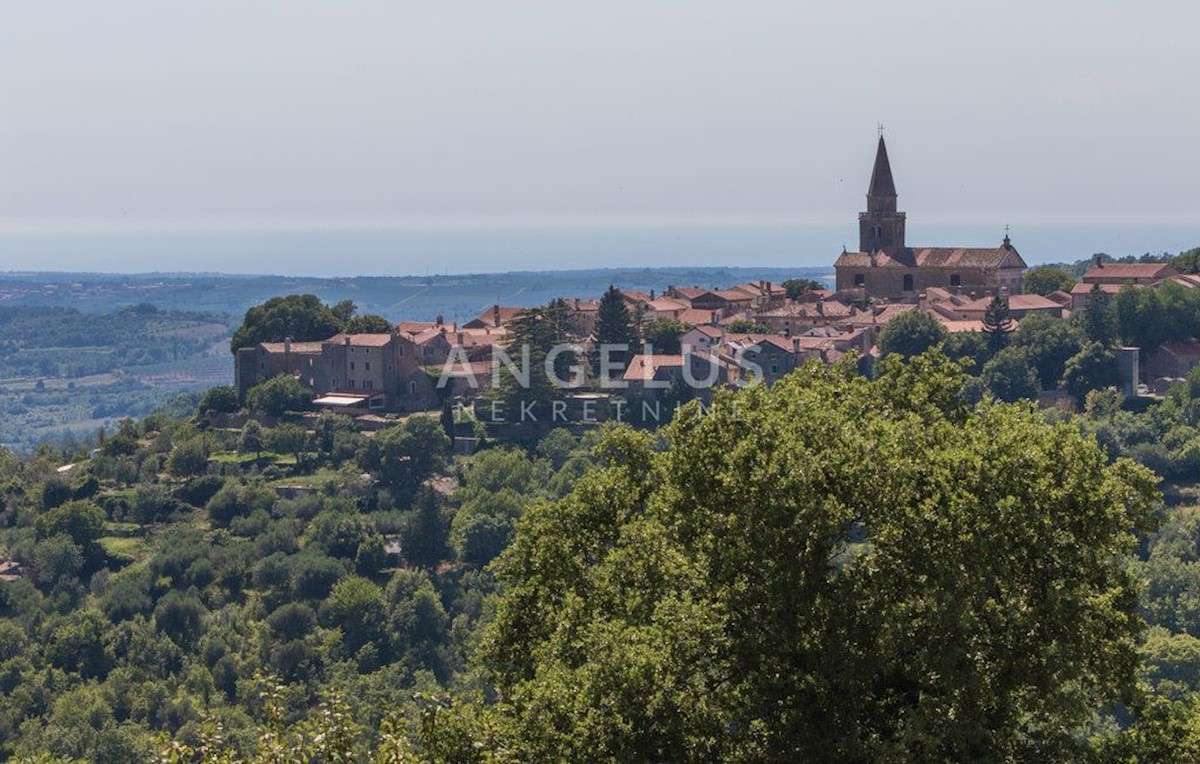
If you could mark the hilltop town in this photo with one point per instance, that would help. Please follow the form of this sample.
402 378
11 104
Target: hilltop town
976 297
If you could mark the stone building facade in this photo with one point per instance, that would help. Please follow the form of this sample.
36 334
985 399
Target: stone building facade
885 267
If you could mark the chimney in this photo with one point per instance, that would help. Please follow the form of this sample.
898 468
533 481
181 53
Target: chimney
496 315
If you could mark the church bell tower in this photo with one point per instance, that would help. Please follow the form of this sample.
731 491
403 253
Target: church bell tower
881 227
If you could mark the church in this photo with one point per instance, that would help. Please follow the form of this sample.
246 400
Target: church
886 268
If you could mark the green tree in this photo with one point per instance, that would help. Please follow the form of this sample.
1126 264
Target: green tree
189 457
1096 318
797 287
614 327
997 324
1044 279
368 324
80 520
1187 262
402 457
424 538
278 395
911 333
299 317
180 615
358 608
663 335
1048 342
533 334
252 439
57 560
288 439
1009 376
662 608
967 346
222 399
1094 367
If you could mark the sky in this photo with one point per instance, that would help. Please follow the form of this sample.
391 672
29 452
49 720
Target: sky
161 117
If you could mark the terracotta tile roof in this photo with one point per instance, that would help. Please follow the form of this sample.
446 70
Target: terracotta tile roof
432 334
937 294
954 326
414 327
1189 280
634 295
1016 302
664 304
362 340
698 317
733 295
644 367
709 330
935 257
1134 271
1082 288
488 316
749 340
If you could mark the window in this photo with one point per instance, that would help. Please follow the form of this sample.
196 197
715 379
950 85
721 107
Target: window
955 279
860 280
908 283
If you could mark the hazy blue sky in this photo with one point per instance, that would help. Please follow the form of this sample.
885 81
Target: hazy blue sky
156 114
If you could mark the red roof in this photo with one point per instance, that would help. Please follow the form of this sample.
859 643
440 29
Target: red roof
373 340
1130 271
644 367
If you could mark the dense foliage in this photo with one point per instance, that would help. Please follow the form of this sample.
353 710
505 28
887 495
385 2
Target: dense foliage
836 568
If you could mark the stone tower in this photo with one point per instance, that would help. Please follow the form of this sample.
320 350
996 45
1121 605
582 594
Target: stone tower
881 227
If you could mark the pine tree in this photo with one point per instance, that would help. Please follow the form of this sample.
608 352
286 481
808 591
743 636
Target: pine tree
997 324
614 326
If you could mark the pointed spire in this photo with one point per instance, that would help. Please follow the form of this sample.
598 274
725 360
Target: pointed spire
881 176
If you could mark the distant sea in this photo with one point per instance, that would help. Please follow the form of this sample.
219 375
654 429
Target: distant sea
438 251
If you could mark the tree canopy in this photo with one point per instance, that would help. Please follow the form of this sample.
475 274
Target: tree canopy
911 333
840 569
1044 279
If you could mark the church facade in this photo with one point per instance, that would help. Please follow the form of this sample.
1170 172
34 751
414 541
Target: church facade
886 268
